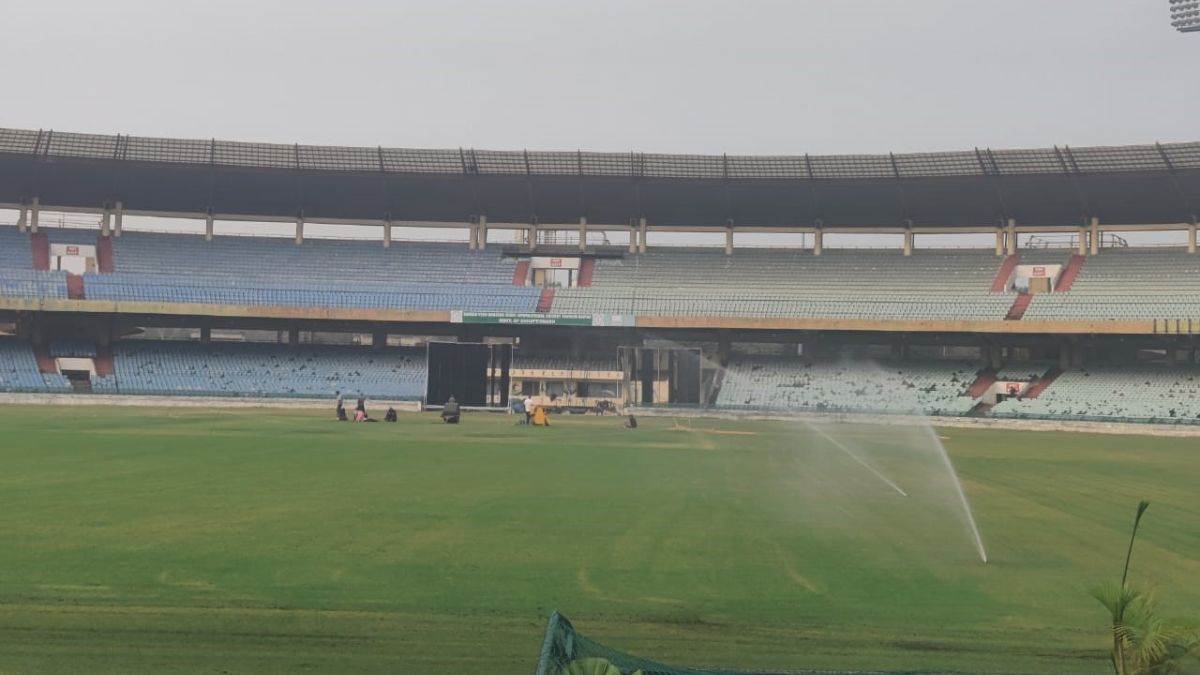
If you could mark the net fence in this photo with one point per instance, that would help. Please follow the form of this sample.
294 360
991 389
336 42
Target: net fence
567 652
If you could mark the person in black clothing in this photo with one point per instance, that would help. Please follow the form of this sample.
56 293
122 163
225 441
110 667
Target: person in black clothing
390 415
341 413
631 422
361 406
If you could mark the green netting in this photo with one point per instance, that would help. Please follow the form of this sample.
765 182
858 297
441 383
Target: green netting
566 652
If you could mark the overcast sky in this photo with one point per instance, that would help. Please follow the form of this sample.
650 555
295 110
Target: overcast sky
827 76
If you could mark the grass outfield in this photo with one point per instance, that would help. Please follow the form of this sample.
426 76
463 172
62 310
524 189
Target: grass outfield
256 541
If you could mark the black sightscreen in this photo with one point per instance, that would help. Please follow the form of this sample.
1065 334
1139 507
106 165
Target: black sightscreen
685 376
476 374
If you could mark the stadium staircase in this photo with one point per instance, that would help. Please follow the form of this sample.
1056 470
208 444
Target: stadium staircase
718 380
546 300
104 362
1044 381
521 273
45 362
985 379
1020 304
1000 283
980 409
1070 273
39 244
587 268
75 287
104 254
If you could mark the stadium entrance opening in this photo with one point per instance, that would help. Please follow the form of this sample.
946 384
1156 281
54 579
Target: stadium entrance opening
554 272
475 374
73 258
654 376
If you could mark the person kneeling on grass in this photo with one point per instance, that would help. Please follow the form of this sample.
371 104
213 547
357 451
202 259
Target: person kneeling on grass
451 411
390 415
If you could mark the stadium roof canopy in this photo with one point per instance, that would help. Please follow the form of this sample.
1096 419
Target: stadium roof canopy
1136 184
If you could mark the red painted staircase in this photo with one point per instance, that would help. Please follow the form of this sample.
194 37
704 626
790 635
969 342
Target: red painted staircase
104 254
1000 283
587 267
75 287
1044 381
521 273
39 245
1070 272
985 379
546 301
1018 307
45 362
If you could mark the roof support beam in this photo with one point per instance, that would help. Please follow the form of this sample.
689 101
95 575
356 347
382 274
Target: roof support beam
818 239
118 218
387 234
34 211
1192 237
583 232
1095 236
729 237
1011 238
22 219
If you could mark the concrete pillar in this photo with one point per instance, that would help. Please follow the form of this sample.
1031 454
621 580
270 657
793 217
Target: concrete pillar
729 239
208 227
1192 238
299 230
908 241
387 234
1095 238
118 216
633 237
206 334
1081 248
22 219
818 241
532 234
582 234
481 240
999 241
472 233
1010 245
34 210
644 228
106 222
379 339
293 336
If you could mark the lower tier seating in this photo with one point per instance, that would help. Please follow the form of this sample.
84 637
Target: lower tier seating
19 370
779 383
250 369
1143 392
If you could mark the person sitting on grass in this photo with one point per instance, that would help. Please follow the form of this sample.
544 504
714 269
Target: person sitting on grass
390 415
341 414
631 422
451 411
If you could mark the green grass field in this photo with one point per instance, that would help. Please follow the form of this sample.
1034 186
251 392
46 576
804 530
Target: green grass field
239 542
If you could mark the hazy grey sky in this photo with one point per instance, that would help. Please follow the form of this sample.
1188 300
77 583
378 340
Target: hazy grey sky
814 76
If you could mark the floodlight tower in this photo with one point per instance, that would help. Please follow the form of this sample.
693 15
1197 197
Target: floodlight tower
1185 15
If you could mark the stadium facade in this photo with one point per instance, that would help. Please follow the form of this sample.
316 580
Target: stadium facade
1185 15
1084 328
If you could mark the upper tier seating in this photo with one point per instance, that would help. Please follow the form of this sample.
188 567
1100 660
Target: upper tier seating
72 349
1134 283
1138 391
524 360
15 250
30 283
788 383
251 369
19 370
865 284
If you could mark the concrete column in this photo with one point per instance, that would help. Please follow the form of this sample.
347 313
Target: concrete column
205 334
34 210
1192 238
208 227
532 233
1010 244
582 233
633 237
1081 247
472 233
481 240
999 241
106 223
379 339
818 241
118 216
293 336
299 230
387 234
644 228
22 219
908 241
729 239
1095 238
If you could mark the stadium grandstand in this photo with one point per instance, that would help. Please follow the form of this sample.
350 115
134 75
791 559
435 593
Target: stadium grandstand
1083 326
